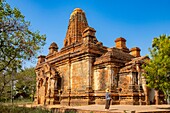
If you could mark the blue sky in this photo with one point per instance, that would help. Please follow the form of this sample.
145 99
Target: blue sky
138 21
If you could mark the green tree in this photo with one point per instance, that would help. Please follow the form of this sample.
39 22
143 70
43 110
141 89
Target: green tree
25 82
158 67
6 81
17 42
5 86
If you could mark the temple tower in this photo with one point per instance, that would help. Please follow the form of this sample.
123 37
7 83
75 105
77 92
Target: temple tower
77 24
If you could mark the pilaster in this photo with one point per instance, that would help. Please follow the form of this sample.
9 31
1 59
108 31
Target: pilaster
110 77
89 74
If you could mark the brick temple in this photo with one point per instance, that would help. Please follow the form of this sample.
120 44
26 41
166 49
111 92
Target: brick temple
80 72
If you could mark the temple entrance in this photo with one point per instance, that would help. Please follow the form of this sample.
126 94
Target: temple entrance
59 83
58 89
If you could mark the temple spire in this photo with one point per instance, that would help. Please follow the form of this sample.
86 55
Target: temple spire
77 24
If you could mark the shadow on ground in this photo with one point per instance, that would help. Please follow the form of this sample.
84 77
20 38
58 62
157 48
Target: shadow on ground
163 108
63 110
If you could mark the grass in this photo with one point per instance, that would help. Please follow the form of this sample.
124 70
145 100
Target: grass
16 109
18 101
8 107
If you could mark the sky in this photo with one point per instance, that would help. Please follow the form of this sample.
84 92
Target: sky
138 21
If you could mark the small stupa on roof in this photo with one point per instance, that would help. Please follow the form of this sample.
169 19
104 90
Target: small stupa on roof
81 71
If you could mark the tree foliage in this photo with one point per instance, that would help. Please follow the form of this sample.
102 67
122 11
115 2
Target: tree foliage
158 68
25 82
17 41
5 86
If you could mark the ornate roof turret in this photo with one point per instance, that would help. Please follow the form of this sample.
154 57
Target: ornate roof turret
121 44
135 51
90 32
77 25
53 47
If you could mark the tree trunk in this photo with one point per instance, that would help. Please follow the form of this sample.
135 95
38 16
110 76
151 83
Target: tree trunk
156 97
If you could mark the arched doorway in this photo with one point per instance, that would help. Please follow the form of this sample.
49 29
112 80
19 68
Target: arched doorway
58 88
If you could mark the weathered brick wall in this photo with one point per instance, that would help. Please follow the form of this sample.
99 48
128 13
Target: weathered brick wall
64 73
79 72
100 79
74 75
124 82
